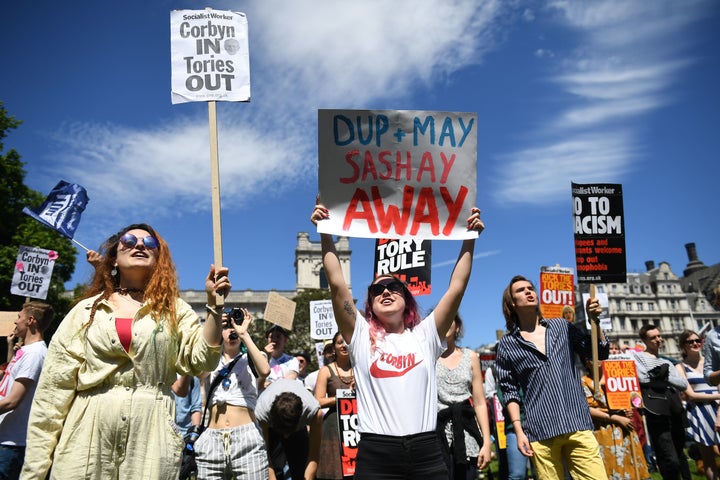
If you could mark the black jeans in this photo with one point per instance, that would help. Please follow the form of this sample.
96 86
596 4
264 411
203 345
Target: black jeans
403 458
667 438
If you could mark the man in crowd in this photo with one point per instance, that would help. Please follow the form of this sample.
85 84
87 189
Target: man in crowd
18 385
535 359
285 410
660 384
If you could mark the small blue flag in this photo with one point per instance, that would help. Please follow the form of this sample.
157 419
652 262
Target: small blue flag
62 208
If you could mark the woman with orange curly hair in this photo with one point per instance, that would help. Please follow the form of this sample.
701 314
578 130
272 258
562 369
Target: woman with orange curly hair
102 408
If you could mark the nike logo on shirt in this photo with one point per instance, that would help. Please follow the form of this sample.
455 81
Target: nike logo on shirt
387 366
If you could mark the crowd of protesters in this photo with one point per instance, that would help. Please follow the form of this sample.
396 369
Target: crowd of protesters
135 385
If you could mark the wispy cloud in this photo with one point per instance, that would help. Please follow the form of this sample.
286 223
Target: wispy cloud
317 54
446 263
629 57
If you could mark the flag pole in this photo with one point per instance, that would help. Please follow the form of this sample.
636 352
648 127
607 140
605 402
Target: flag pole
80 245
215 187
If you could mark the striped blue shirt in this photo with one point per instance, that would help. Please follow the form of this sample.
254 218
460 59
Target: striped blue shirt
555 403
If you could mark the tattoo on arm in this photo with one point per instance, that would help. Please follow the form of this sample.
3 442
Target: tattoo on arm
349 309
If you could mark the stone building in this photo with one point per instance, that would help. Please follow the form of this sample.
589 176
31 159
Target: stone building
309 273
660 297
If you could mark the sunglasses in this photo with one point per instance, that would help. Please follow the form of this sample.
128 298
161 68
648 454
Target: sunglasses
393 286
694 341
129 241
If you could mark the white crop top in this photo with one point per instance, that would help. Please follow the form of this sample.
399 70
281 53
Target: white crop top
242 390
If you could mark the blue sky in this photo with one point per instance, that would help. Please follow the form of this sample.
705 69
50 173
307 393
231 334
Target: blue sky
592 92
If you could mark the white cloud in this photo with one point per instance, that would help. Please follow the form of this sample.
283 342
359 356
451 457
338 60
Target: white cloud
314 55
542 174
628 58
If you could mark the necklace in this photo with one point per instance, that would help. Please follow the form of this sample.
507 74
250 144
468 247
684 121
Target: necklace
346 379
126 291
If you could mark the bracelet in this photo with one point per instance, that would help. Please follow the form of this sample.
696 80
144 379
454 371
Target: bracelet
212 310
516 420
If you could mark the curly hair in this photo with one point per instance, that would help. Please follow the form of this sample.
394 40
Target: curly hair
411 315
161 290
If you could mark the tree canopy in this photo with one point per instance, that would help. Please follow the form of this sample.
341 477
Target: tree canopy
18 229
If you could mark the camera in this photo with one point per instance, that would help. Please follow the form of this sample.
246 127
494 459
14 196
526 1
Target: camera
235 314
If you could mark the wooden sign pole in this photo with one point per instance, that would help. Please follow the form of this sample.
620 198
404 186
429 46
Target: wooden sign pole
594 339
215 185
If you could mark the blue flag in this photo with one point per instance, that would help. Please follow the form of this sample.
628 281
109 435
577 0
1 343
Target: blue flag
62 208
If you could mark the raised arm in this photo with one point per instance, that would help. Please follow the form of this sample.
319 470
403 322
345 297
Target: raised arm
342 300
449 304
262 366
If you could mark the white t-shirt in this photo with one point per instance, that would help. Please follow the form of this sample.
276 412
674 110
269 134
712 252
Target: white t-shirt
279 367
242 390
27 363
396 387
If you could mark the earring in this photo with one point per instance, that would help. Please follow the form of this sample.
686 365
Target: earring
113 272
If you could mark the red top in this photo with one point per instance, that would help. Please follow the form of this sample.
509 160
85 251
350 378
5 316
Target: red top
124 330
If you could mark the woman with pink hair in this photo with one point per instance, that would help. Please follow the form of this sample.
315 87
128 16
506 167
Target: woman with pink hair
394 352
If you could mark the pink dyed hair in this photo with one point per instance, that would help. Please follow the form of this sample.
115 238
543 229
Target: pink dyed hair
411 315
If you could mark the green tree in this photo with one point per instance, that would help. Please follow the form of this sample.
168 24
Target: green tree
18 229
300 338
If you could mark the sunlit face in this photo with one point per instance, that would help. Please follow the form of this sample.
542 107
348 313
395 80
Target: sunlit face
523 294
653 340
569 315
389 300
22 323
614 349
692 344
137 256
340 347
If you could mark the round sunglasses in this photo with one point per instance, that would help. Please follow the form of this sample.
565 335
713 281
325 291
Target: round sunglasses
129 241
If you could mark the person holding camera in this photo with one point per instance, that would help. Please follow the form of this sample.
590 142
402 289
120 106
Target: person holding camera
232 446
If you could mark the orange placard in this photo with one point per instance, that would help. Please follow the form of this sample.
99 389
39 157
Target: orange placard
622 386
557 289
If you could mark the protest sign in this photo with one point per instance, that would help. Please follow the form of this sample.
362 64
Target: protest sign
604 318
279 310
209 56
408 260
622 386
397 173
33 271
7 323
599 233
348 424
322 320
499 422
487 360
557 289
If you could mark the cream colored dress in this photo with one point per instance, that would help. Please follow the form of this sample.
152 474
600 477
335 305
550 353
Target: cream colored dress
100 412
